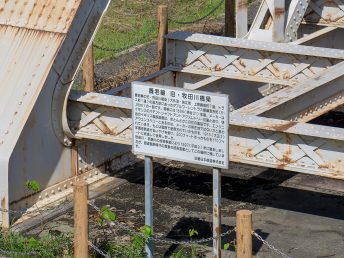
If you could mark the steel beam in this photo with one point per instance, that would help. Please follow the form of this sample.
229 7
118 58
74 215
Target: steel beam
325 13
278 63
305 101
288 145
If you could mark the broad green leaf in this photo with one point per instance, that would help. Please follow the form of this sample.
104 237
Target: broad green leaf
147 231
226 246
107 214
33 185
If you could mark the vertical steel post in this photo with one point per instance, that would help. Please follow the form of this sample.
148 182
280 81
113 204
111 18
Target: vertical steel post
149 201
241 18
216 212
278 16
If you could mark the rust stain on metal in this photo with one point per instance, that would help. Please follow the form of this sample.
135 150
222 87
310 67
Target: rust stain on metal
249 153
289 141
242 4
217 68
92 97
242 63
42 15
284 127
217 229
279 12
215 210
285 75
325 166
252 72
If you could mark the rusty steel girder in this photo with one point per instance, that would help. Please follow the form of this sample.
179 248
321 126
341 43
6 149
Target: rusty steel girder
283 72
41 46
274 89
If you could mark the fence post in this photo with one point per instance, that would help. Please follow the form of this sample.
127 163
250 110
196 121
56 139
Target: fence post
163 30
230 18
244 234
80 219
88 70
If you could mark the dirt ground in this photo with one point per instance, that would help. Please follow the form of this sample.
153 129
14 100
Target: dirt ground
299 214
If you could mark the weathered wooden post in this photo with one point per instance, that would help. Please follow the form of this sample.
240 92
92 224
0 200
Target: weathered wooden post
88 70
244 234
230 18
163 30
81 219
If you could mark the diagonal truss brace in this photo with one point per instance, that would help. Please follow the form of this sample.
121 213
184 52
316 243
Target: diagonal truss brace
269 62
305 101
289 145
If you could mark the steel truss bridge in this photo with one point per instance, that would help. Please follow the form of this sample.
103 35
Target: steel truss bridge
281 74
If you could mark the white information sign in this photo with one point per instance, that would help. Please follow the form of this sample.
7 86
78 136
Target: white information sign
179 124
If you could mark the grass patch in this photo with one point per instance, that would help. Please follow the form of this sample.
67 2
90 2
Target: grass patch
54 244
129 23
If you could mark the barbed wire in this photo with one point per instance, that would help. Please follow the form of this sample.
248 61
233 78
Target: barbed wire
212 11
270 246
125 227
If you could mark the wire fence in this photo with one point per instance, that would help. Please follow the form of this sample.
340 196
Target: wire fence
211 12
138 40
153 29
131 231
176 242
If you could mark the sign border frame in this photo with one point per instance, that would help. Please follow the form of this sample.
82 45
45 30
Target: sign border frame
147 84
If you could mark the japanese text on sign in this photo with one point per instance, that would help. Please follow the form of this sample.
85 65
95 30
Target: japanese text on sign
178 124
